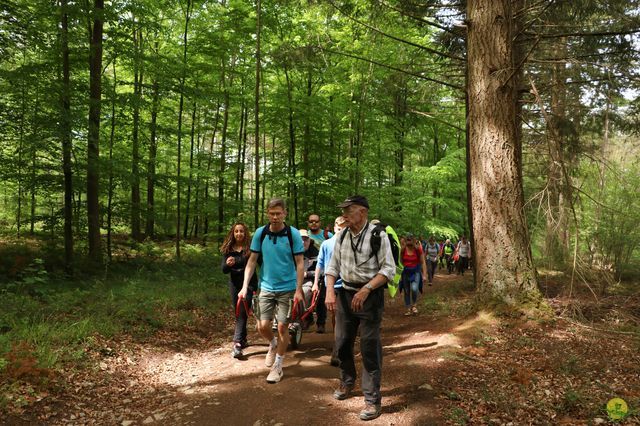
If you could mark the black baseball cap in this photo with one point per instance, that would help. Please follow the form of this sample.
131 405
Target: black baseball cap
359 200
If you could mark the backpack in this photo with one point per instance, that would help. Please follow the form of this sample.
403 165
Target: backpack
267 231
376 242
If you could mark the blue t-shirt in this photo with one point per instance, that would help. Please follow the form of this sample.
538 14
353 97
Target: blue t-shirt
319 237
278 270
326 251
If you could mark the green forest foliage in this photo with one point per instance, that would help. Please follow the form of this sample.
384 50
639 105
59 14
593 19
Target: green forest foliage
355 97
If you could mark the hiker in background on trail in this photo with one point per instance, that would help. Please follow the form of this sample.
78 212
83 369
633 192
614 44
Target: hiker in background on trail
235 253
414 273
316 232
431 253
423 243
441 260
464 253
279 249
319 282
446 252
310 261
362 258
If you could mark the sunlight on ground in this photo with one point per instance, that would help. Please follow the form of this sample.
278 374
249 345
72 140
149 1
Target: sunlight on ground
482 319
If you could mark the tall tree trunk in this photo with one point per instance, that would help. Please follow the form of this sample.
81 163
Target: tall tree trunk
504 266
65 136
110 189
293 187
239 149
306 147
135 148
189 182
436 149
151 164
93 148
244 155
223 155
32 187
556 240
21 143
209 162
183 77
256 202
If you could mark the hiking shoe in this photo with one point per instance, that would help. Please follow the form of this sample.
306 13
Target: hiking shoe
408 313
335 362
414 310
343 392
370 411
237 350
271 356
275 375
320 328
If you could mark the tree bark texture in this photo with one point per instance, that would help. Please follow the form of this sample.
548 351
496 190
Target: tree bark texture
256 200
65 133
504 268
135 148
151 164
93 147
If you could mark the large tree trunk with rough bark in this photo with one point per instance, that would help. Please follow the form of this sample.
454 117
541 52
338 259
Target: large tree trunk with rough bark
504 267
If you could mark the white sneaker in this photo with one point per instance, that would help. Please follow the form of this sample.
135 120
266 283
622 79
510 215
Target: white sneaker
271 356
275 375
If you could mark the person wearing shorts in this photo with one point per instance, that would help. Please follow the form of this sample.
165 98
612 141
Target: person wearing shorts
280 253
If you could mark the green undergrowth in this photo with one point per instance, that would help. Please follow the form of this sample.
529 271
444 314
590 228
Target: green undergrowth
56 317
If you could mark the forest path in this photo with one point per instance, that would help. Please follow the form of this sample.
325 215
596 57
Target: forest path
213 388
190 378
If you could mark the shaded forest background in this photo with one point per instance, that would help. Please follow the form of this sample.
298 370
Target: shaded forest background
151 120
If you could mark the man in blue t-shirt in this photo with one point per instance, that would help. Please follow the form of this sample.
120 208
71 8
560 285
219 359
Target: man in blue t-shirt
316 233
280 280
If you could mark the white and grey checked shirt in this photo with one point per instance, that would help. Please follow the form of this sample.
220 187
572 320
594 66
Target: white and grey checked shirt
352 259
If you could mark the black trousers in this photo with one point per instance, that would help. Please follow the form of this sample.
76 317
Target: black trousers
368 322
240 334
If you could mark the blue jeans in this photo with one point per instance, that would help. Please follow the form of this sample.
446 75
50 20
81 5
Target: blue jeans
411 285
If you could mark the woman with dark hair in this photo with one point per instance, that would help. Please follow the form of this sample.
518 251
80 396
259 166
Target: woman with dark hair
235 252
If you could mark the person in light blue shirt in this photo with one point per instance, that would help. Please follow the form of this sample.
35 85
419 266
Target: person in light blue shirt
326 251
279 249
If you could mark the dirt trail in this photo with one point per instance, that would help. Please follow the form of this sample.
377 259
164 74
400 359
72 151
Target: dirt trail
201 384
213 388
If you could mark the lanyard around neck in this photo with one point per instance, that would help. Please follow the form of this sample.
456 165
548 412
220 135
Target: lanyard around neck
359 241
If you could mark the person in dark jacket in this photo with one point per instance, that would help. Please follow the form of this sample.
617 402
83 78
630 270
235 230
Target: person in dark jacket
235 252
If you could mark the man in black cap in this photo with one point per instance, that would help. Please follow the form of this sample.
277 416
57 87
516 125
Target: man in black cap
362 258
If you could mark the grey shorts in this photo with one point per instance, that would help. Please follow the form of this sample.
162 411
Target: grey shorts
279 303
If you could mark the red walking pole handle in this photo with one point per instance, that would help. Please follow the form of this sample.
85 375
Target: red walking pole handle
312 307
242 301
294 311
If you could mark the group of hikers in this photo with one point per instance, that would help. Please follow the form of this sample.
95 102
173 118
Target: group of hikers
345 272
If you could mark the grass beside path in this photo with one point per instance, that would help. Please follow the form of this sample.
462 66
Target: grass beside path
49 324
